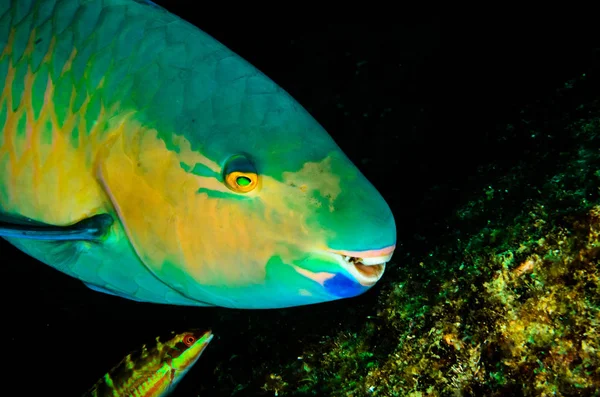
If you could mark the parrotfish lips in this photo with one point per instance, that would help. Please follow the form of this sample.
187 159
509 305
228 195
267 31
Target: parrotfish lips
366 267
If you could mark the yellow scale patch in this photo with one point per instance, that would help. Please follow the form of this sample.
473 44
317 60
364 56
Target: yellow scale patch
168 220
49 182
118 163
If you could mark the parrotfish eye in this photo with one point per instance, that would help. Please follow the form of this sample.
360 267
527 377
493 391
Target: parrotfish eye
240 174
189 340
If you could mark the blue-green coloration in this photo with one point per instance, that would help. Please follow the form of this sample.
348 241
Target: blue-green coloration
222 189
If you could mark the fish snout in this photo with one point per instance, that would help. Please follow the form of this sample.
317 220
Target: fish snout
366 267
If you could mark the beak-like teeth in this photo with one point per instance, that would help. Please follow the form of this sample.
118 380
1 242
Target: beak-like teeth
376 260
366 267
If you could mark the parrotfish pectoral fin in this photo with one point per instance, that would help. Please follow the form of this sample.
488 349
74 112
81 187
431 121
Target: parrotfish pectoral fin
108 292
89 229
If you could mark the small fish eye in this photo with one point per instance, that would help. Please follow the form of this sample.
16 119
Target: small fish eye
240 174
189 340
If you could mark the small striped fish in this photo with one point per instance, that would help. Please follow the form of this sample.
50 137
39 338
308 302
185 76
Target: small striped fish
153 371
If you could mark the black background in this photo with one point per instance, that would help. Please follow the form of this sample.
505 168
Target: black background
418 103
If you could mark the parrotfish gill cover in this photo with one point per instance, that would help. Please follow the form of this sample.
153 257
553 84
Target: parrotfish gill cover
225 191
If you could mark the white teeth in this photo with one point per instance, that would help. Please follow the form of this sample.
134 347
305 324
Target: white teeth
366 279
376 260
360 274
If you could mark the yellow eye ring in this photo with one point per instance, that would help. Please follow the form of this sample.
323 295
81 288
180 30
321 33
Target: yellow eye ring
241 182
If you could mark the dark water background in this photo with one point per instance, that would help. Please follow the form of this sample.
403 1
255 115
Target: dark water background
417 104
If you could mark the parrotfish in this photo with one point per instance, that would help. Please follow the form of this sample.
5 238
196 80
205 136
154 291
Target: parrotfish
143 157
153 371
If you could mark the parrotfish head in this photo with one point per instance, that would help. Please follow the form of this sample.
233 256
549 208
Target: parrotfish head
237 197
296 220
269 215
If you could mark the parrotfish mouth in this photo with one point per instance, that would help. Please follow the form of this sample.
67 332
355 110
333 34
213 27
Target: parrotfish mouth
366 267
